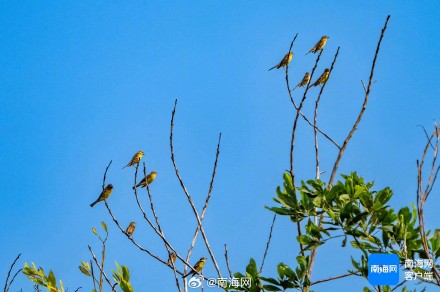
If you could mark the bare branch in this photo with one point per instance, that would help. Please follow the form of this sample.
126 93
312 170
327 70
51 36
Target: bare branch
188 196
6 289
102 272
315 117
227 260
364 106
268 243
211 184
332 278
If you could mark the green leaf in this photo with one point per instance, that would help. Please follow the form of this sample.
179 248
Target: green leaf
271 288
104 226
51 278
125 273
251 269
84 271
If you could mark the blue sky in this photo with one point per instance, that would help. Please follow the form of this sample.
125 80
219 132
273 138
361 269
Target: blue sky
87 82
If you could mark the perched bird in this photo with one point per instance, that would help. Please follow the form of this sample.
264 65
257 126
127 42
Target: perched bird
104 194
323 78
305 81
197 267
135 160
286 60
130 229
171 258
148 179
319 45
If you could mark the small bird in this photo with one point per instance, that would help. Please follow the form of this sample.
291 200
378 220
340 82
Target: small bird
323 78
136 158
319 45
104 194
171 258
197 267
305 81
148 179
286 60
130 229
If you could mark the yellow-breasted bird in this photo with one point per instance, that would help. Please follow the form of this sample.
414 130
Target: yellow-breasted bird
286 60
319 45
323 78
197 267
305 81
171 258
104 194
130 229
136 158
147 180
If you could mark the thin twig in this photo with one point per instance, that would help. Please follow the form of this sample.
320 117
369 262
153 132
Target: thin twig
211 184
331 278
227 260
93 275
156 218
295 123
105 174
13 278
315 117
196 214
268 243
99 267
9 274
364 106
426 134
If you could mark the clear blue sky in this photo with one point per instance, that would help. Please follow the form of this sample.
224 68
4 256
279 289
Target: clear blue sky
84 82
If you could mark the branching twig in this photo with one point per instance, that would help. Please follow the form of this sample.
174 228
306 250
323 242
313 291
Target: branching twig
100 269
211 184
188 196
422 196
364 106
350 134
315 118
6 289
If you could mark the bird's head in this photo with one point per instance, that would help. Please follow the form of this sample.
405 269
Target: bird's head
203 260
153 174
109 186
133 223
141 153
327 70
325 37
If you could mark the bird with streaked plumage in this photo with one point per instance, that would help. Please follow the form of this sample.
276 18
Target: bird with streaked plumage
136 159
319 45
172 258
104 194
283 63
130 229
147 180
304 81
323 78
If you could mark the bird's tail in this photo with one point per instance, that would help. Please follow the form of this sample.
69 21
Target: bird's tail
94 203
272 68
